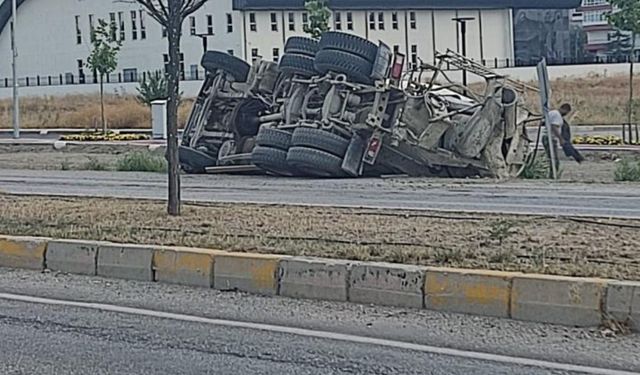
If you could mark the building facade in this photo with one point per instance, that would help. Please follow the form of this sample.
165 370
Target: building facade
53 37
598 32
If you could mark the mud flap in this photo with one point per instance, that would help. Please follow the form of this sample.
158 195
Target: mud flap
352 163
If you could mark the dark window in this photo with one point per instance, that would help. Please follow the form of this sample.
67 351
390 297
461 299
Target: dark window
337 24
276 54
305 20
78 31
349 21
253 25
274 22
130 75
255 53
143 28
91 27
412 20
292 21
414 56
231 52
210 24
229 23
113 25
81 78
121 23
372 21
192 25
381 21
394 20
134 25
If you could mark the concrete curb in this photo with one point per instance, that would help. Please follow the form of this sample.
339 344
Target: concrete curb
560 300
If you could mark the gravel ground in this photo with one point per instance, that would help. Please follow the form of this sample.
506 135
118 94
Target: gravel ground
574 247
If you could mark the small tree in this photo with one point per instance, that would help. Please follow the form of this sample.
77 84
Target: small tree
153 86
171 14
626 17
104 57
319 14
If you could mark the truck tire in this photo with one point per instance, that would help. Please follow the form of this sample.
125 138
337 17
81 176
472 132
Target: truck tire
320 140
213 61
352 44
300 45
354 67
272 160
297 64
274 138
315 162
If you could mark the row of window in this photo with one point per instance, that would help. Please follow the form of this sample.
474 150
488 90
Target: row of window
138 27
376 21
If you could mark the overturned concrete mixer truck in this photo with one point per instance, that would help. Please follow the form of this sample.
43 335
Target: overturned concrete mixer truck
343 106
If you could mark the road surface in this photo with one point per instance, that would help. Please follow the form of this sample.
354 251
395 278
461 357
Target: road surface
519 197
61 324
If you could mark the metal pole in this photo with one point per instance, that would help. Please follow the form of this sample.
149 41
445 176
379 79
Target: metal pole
14 49
463 31
543 82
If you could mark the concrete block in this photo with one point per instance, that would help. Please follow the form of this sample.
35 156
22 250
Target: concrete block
129 262
22 252
79 257
185 266
387 284
623 302
468 291
252 273
322 279
558 300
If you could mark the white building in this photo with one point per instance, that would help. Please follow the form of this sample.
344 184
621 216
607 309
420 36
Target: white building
417 28
54 35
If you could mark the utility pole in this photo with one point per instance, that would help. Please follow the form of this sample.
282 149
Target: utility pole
14 53
463 31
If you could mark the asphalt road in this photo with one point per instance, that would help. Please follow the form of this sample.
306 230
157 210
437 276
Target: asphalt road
540 198
98 326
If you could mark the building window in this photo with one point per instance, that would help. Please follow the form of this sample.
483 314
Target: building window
394 20
414 56
349 21
253 25
143 28
78 31
229 23
372 21
121 25
274 22
113 25
230 52
164 32
305 20
130 75
210 24
587 3
276 54
166 64
193 71
337 24
412 20
594 16
292 22
381 21
192 25
134 25
92 27
254 54
81 78
396 49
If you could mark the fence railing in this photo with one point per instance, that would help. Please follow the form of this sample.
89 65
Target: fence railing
197 75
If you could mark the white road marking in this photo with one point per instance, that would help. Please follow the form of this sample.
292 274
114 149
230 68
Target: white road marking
519 361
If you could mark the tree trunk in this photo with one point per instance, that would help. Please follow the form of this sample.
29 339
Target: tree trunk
174 31
103 120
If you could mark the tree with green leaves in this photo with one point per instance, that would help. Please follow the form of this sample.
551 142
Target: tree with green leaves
171 14
626 17
103 59
319 15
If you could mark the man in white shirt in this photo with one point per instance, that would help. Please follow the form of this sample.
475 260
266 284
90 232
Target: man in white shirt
556 119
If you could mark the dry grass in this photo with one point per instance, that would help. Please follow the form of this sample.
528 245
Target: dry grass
516 243
83 112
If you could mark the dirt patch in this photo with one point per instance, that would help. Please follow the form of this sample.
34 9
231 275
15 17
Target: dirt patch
515 243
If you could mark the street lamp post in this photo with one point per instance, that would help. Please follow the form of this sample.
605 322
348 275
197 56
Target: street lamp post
14 52
205 40
463 31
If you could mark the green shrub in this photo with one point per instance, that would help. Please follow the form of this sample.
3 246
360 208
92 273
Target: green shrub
627 170
535 169
95 165
140 161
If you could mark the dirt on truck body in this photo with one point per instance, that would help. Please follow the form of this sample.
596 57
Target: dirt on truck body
343 107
